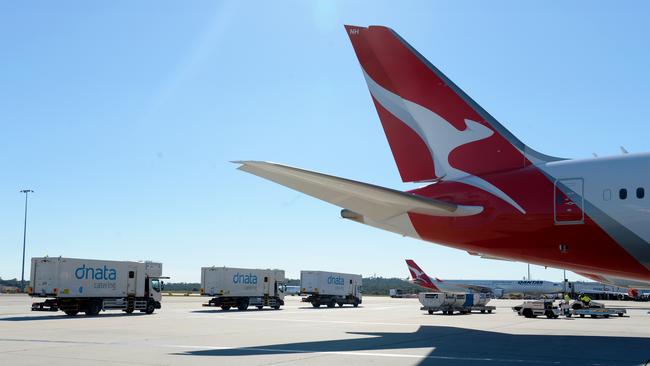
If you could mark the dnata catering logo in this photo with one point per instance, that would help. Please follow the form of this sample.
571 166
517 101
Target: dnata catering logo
530 282
99 273
246 279
335 280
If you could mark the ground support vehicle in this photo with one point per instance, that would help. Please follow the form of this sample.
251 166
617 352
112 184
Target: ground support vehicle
243 287
395 293
594 310
448 303
75 285
330 288
533 309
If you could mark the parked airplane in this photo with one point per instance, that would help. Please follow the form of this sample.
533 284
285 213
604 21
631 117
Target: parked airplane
601 289
496 288
480 188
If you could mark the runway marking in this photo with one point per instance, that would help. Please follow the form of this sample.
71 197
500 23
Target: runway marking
363 354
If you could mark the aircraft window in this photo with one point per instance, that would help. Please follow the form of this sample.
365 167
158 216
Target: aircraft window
607 195
622 193
640 192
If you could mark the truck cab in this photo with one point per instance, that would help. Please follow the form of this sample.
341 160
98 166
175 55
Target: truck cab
153 287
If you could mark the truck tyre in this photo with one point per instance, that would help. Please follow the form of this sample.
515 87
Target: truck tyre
151 307
315 304
528 313
355 303
225 307
489 311
482 311
71 312
242 304
128 310
430 312
93 309
331 304
276 307
340 304
259 307
550 315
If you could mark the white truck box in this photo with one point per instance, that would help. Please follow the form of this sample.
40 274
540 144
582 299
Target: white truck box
74 277
241 282
89 285
330 283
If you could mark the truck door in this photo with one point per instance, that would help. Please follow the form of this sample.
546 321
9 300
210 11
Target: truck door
568 201
267 285
131 282
44 277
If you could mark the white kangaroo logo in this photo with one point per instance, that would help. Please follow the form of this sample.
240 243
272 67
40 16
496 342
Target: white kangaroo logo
440 136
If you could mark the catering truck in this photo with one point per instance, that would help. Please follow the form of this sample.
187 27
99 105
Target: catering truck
76 285
330 288
449 302
243 287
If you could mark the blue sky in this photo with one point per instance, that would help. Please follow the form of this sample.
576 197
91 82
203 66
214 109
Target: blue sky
122 116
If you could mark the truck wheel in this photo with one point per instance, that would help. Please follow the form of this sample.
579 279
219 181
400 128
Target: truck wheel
71 312
430 312
93 309
582 315
242 304
260 307
549 314
340 304
225 307
482 311
150 307
355 303
315 304
276 307
527 313
620 314
489 311
331 304
128 310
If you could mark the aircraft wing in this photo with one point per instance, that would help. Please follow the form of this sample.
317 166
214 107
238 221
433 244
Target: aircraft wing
361 201
486 256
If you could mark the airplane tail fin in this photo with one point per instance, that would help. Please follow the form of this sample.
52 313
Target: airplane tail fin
433 128
419 277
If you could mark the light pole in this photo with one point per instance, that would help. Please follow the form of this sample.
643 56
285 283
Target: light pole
22 277
528 271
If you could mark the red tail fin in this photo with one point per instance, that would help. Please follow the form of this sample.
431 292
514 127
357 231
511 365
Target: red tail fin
434 129
419 277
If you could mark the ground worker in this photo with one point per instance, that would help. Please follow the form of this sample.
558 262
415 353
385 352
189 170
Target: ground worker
585 300
566 309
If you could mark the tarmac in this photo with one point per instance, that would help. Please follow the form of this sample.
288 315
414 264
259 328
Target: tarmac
381 331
